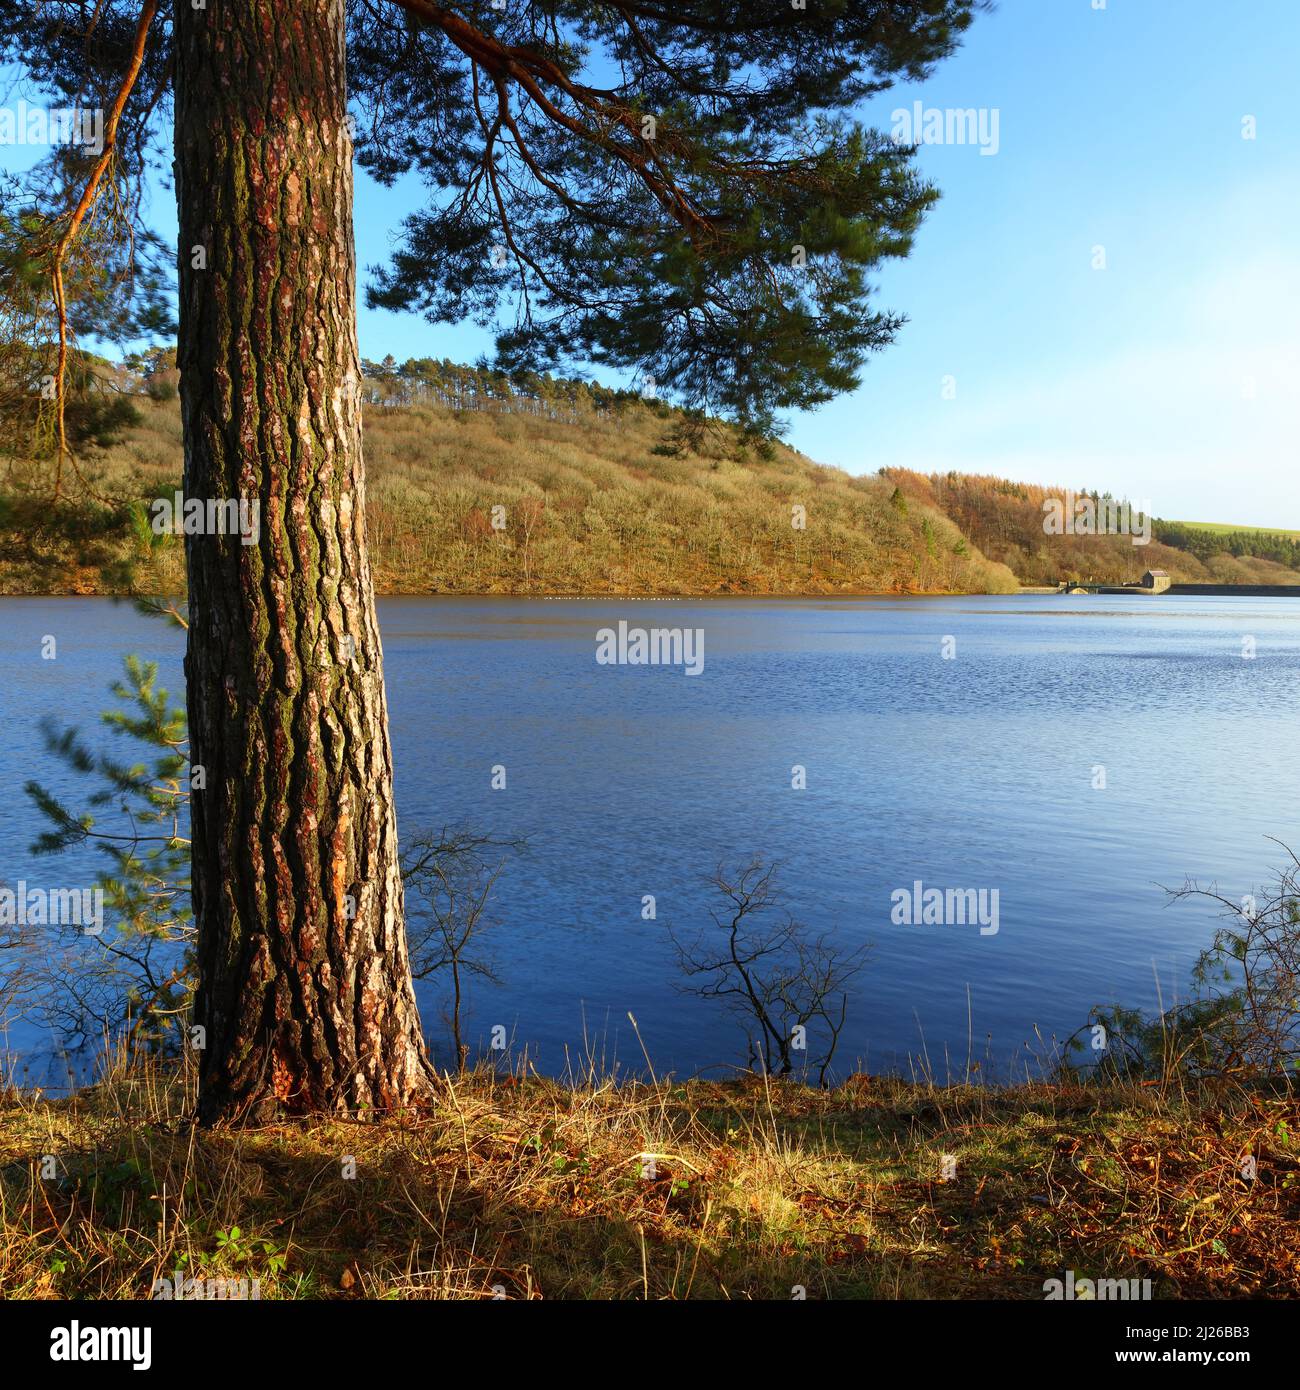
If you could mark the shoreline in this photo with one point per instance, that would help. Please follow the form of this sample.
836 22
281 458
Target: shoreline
713 596
599 597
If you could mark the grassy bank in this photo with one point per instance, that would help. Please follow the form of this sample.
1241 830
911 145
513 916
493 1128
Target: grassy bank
475 487
1228 528
1005 519
524 1188
587 502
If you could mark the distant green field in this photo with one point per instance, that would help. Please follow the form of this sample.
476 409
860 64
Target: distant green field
1223 528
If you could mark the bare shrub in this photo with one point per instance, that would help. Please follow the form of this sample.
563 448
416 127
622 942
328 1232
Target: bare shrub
770 971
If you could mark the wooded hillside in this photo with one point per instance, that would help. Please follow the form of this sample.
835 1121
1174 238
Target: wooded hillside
483 483
476 484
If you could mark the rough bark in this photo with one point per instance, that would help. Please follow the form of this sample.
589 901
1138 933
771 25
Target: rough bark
305 990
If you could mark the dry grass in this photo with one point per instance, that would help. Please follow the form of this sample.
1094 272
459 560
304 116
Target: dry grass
1005 519
525 1188
590 508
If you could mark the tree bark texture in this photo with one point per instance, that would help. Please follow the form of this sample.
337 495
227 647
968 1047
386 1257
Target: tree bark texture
305 993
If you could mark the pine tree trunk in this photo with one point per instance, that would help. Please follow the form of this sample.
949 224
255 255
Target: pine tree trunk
305 991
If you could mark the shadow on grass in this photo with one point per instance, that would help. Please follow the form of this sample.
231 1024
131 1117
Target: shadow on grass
877 1190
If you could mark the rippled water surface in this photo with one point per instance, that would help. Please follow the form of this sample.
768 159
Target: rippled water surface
976 771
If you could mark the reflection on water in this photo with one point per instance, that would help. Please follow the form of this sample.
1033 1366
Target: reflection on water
976 771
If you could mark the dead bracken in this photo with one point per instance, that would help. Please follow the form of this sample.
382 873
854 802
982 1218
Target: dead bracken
521 1187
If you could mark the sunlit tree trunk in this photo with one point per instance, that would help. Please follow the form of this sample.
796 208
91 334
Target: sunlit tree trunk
305 992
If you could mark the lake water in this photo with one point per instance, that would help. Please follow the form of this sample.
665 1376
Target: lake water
972 770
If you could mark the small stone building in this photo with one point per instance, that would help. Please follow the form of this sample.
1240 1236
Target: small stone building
1156 580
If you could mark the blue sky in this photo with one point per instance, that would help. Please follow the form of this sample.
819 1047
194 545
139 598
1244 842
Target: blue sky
1171 376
